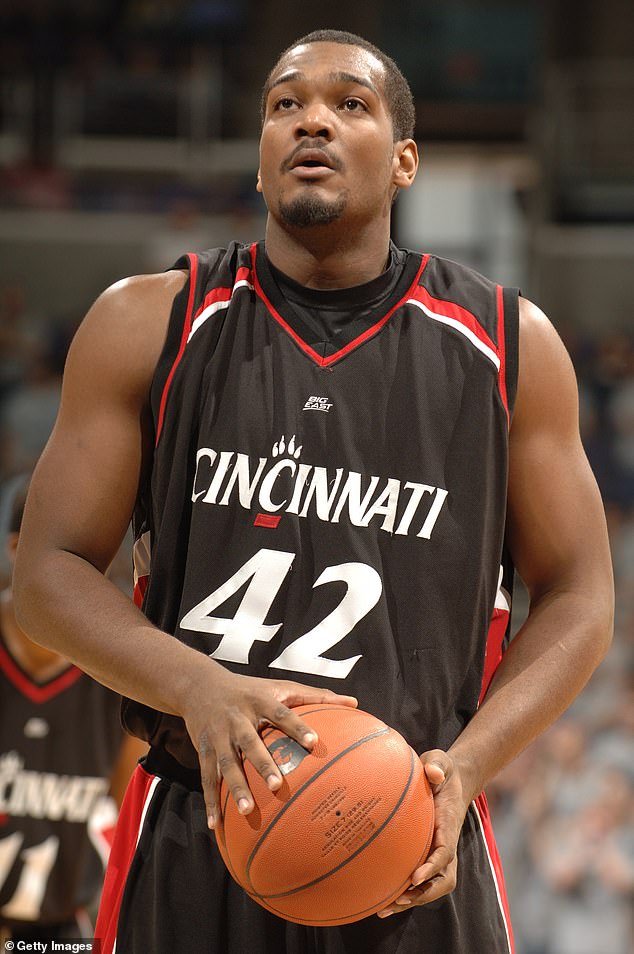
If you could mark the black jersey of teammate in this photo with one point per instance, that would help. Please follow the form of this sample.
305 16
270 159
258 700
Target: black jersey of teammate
58 744
334 514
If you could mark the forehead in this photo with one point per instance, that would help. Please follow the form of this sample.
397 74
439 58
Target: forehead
319 61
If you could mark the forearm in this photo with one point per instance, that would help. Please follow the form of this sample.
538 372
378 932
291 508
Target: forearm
548 663
66 604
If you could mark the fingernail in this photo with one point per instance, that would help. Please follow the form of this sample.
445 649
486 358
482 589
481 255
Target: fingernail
309 739
403 901
211 820
273 781
243 805
385 914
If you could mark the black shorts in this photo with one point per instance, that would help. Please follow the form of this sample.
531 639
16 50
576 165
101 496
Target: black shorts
167 891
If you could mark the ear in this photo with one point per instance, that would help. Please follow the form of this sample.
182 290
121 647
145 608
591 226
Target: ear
404 163
258 184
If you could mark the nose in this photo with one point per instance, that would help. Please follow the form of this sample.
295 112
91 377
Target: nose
314 121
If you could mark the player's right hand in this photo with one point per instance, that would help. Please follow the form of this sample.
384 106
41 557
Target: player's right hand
224 729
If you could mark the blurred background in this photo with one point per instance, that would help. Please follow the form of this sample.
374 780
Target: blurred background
128 134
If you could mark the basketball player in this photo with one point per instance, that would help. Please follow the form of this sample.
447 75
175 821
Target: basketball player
61 753
337 449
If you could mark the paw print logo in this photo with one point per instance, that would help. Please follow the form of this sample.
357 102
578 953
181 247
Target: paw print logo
280 447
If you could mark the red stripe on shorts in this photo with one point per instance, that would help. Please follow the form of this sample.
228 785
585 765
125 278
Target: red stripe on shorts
482 810
131 816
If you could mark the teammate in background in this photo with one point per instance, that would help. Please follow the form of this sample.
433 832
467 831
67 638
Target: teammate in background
64 766
337 451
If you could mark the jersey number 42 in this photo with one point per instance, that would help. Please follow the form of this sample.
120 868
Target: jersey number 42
264 573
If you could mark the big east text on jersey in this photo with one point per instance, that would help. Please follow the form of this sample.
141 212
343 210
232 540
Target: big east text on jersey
280 484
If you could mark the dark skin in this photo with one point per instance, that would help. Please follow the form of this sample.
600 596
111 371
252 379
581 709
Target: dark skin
326 143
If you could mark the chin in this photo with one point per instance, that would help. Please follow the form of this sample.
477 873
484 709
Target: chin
309 210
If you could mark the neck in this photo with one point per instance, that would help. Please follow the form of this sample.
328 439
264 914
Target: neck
318 257
40 663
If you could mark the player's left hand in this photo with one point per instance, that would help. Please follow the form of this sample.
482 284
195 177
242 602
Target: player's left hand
437 876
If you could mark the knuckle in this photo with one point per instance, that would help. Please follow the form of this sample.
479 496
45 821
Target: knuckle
280 712
245 739
225 761
205 747
237 791
208 779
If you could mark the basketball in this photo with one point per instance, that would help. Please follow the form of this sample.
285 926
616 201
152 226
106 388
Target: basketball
340 839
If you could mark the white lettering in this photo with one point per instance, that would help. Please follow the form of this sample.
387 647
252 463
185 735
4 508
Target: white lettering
267 485
412 506
386 503
221 472
318 488
211 455
220 476
300 482
432 516
351 492
246 487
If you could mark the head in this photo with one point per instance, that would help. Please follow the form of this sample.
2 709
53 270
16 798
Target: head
337 126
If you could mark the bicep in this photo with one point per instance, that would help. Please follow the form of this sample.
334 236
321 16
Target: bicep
556 526
84 487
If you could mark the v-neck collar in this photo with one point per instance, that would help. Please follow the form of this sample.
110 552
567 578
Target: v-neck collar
35 690
353 334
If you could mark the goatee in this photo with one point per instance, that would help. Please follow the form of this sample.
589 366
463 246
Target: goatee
309 210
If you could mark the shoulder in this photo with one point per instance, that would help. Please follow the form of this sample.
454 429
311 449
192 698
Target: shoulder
123 333
547 386
144 300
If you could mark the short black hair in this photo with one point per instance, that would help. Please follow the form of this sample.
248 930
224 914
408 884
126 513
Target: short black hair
398 94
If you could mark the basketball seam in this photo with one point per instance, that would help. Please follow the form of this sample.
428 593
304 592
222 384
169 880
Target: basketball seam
359 914
310 884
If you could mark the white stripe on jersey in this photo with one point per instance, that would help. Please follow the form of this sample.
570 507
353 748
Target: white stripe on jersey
146 805
214 307
446 320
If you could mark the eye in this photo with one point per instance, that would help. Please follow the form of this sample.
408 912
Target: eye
284 104
352 105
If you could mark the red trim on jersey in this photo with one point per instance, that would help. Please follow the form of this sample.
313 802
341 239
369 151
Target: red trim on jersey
139 590
324 362
482 808
121 855
501 350
193 271
223 294
494 648
32 690
449 309
269 520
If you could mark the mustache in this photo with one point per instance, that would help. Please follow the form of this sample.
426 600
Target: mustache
330 159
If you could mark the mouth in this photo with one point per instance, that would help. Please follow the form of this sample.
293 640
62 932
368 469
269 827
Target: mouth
311 163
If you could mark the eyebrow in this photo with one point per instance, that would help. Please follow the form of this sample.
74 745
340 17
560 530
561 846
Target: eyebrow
340 76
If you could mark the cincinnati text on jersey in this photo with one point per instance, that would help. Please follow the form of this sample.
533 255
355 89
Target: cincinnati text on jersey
24 793
283 485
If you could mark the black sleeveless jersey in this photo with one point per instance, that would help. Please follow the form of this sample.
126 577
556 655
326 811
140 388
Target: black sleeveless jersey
58 743
333 513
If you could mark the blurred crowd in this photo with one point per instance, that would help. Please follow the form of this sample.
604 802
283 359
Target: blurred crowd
168 70
564 811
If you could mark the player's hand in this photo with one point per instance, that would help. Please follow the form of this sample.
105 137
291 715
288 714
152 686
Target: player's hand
438 875
224 730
